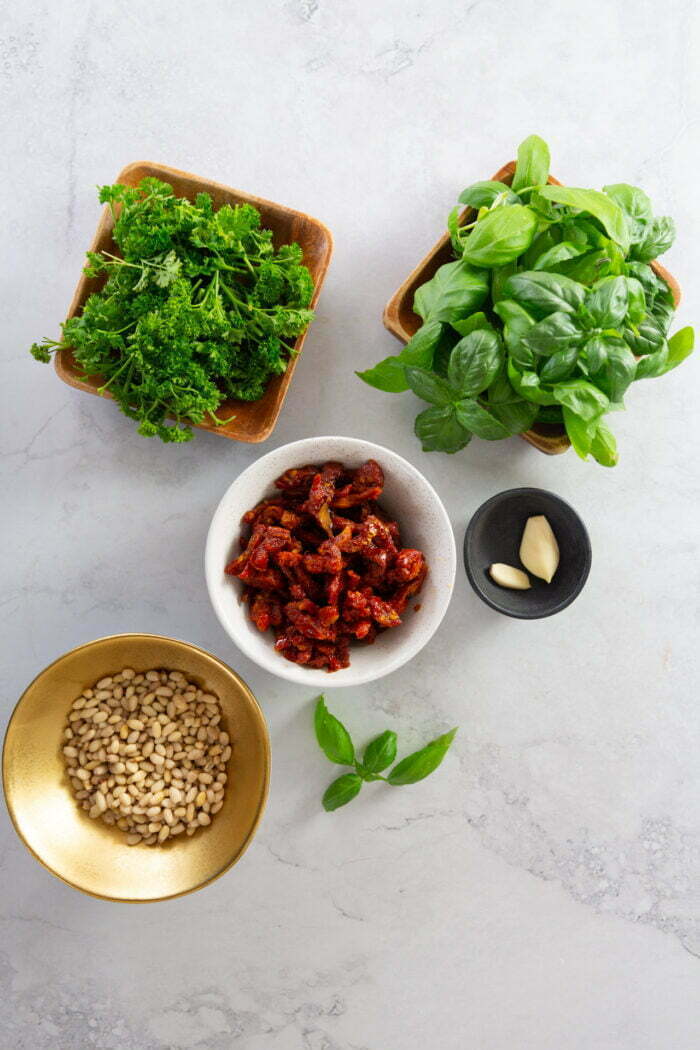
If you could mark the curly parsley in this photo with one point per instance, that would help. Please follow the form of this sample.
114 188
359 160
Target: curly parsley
198 308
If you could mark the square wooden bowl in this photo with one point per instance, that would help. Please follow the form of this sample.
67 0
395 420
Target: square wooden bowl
402 322
254 420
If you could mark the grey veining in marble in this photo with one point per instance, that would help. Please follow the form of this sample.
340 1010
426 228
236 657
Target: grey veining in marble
543 890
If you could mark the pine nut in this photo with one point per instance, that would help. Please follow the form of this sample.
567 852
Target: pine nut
144 753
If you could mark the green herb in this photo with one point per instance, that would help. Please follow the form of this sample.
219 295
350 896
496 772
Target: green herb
199 307
336 744
557 307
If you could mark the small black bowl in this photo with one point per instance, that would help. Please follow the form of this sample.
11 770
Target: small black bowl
494 535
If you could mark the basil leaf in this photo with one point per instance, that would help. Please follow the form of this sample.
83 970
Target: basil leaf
559 366
602 208
380 752
545 293
527 384
592 266
595 353
654 287
658 238
549 238
635 204
500 236
333 738
483 194
453 230
474 363
653 365
499 276
662 312
556 332
604 446
619 371
680 346
532 168
341 791
579 432
439 430
474 417
645 338
421 763
428 386
581 398
636 301
550 259
471 324
516 416
516 322
508 407
455 291
670 356
390 374
605 305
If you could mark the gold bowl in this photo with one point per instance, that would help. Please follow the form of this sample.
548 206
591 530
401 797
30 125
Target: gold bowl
86 853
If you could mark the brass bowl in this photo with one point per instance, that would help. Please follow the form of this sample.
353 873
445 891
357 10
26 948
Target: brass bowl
88 854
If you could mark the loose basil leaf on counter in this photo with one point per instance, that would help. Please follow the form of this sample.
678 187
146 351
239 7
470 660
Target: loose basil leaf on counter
597 204
500 236
421 763
479 421
332 736
635 204
658 238
556 332
560 365
532 168
483 194
439 430
379 753
581 397
605 306
341 791
474 363
429 387
544 293
390 374
456 290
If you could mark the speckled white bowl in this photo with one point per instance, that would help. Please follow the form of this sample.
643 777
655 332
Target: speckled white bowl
407 497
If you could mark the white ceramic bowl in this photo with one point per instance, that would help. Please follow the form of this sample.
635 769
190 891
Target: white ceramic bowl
407 497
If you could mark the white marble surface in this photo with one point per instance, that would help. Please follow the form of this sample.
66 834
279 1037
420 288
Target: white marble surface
543 890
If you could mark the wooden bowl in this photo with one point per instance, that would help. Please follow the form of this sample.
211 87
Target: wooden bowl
254 420
88 854
402 322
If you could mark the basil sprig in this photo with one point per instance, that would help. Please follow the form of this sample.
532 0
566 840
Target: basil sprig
548 314
336 744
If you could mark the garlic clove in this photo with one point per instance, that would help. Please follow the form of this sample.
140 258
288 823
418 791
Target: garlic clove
509 576
539 550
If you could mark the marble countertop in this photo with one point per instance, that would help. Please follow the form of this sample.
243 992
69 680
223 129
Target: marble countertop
542 890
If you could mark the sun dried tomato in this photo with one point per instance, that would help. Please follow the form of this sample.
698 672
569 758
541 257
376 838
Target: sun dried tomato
322 563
